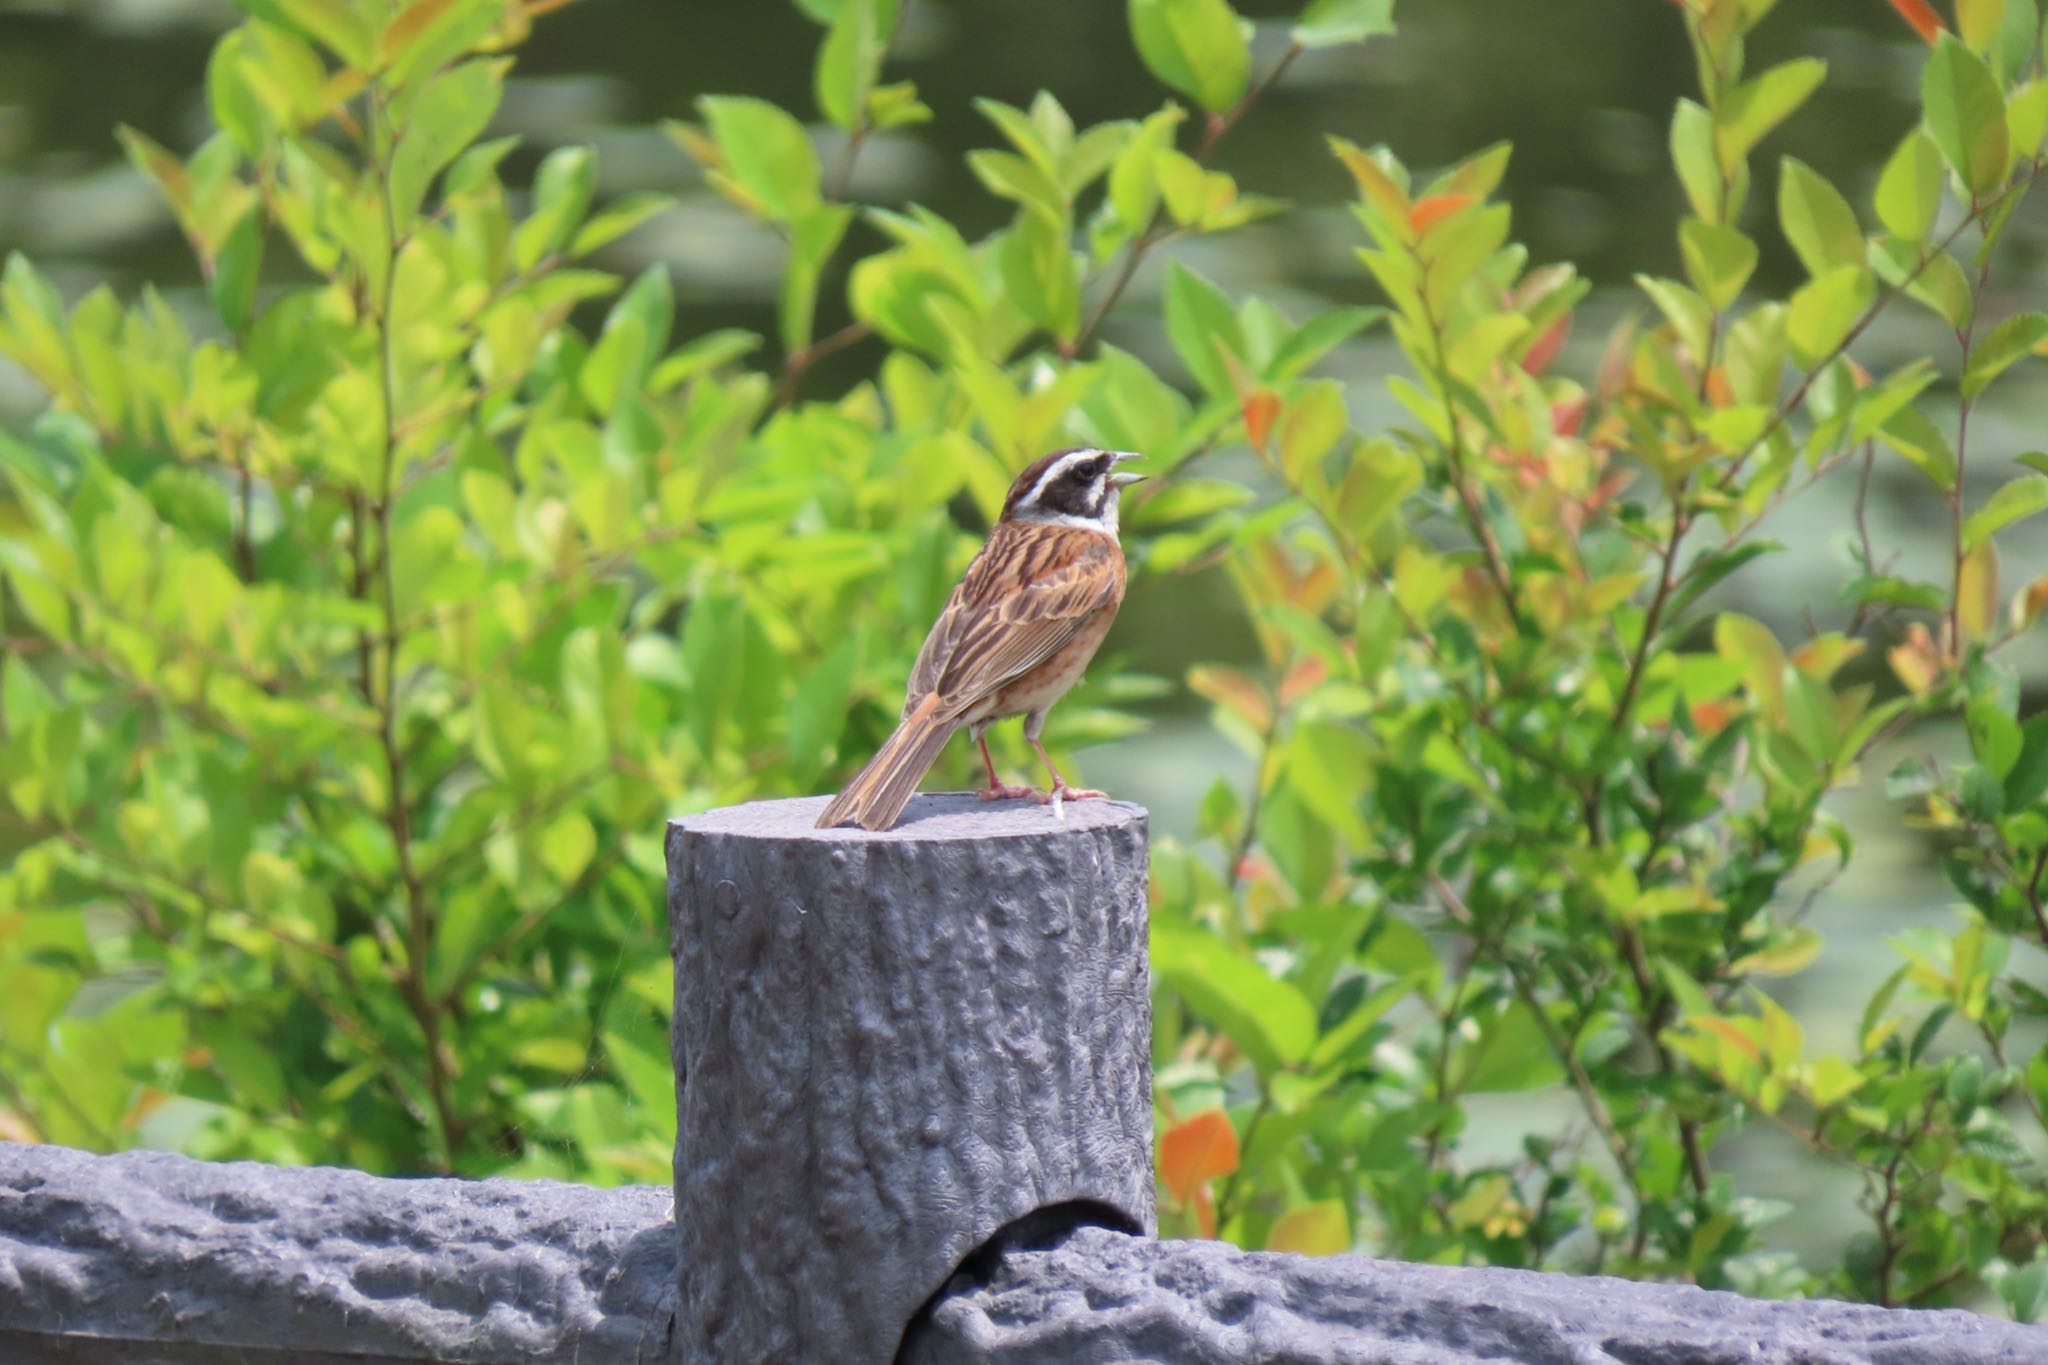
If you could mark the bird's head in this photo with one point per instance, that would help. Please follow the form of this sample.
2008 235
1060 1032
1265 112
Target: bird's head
1071 488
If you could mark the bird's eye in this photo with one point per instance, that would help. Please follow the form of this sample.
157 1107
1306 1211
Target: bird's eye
1079 474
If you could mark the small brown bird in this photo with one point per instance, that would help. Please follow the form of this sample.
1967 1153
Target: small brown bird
1017 632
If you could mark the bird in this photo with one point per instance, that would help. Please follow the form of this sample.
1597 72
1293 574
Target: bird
1017 632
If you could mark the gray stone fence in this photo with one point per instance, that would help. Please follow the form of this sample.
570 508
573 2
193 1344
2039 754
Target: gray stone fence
915 1125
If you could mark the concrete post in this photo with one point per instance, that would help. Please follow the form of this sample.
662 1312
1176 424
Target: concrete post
889 1048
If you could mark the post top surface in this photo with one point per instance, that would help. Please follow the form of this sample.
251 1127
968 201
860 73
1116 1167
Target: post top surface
929 816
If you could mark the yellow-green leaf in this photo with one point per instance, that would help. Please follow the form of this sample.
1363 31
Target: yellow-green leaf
1318 1229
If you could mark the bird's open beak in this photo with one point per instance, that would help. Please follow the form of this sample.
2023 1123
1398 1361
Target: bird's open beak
1121 479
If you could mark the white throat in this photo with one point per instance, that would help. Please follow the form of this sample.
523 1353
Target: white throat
1106 523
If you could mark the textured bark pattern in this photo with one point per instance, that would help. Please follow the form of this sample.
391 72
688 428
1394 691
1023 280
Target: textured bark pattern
1102 1296
152 1259
888 1046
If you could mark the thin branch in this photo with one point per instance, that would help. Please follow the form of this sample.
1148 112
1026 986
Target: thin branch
1157 230
412 977
1965 337
801 359
1883 300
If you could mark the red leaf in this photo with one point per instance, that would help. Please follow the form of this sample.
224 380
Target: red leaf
1259 411
1921 16
1538 357
1196 1151
1428 210
1568 416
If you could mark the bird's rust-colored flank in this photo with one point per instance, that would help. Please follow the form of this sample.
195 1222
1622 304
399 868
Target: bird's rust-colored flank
1017 632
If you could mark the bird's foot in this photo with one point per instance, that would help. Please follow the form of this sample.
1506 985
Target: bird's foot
1065 793
996 791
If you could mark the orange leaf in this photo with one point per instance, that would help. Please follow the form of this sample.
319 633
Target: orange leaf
1712 717
1302 679
1259 411
1429 209
1229 688
410 24
1921 16
1719 391
1915 660
1196 1151
2028 602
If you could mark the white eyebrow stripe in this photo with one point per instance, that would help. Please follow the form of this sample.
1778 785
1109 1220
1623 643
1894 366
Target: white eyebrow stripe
1058 467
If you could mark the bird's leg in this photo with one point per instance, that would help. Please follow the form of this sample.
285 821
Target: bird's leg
1060 790
996 791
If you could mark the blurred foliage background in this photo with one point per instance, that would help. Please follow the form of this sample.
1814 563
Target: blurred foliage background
392 561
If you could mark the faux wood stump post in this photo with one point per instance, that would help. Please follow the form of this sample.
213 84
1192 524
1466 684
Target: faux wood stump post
889 1048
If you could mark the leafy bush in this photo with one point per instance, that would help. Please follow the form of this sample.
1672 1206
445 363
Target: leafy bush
358 645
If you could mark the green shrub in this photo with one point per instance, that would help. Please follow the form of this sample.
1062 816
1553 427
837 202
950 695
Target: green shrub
358 647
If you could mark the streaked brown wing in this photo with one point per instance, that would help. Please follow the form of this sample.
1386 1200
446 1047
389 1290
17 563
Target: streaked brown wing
1026 594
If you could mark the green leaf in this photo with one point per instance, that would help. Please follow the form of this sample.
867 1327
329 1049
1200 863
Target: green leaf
1022 179
427 34
1332 23
771 168
1939 282
1269 1019
2020 498
1818 221
236 108
249 1066
1909 191
568 846
1320 1228
1202 327
1824 310
1199 47
1966 115
817 713
2002 345
236 271
812 240
2026 119
440 119
2024 1290
2028 778
1752 109
1718 260
1133 176
1510 1054
896 105
562 190
617 219
1689 314
340 25
851 58
1789 957
1978 22
1692 153
1041 275
1913 434
1325 764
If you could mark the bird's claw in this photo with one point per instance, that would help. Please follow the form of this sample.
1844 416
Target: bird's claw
999 792
1065 793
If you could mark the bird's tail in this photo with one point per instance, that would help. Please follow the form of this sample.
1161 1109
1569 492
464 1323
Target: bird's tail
880 791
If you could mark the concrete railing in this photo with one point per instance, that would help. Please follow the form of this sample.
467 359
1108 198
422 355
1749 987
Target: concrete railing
914 1125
